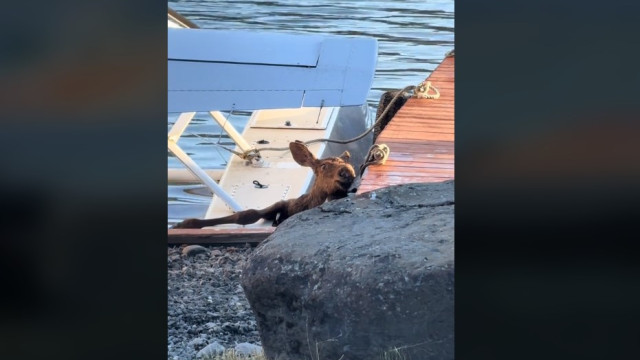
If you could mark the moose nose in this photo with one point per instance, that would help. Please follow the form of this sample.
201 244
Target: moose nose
346 174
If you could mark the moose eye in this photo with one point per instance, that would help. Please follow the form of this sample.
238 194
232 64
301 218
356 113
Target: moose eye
323 166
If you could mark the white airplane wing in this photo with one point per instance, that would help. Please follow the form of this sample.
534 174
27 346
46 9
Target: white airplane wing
245 70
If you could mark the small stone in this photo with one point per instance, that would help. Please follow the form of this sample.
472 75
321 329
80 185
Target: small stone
210 351
216 252
230 327
196 341
247 349
192 250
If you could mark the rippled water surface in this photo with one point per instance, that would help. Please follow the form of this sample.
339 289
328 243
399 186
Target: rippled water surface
413 37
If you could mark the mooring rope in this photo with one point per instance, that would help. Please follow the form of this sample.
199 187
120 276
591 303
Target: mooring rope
380 117
378 154
420 91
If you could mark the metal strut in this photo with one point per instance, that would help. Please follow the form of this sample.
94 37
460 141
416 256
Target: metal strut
174 135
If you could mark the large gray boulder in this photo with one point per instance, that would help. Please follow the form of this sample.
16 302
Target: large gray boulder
369 277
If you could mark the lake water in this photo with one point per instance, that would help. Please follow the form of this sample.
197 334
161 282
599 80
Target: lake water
413 37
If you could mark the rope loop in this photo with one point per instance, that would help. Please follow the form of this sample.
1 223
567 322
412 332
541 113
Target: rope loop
422 91
377 155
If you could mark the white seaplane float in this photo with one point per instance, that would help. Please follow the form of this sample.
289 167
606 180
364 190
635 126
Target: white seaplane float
297 87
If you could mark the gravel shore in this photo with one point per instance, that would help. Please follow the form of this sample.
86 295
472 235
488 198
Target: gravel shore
206 304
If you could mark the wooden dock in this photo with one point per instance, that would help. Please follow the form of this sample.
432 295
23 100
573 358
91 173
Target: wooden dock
420 138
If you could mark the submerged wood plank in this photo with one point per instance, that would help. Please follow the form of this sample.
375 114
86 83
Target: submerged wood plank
219 236
420 138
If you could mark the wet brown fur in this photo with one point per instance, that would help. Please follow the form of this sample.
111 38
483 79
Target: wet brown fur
333 177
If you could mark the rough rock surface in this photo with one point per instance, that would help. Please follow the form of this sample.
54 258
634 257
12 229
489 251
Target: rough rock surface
359 278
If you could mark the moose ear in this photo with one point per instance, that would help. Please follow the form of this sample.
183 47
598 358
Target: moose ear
345 156
301 154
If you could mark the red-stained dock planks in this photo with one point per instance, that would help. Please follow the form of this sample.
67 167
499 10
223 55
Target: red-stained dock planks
420 138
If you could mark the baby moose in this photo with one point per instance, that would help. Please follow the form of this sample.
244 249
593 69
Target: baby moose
333 178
